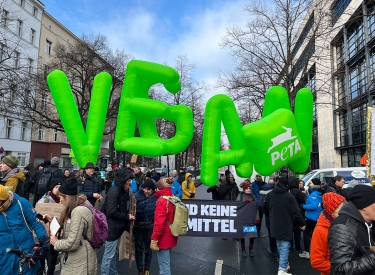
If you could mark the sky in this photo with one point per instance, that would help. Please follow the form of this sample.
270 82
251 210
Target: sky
159 30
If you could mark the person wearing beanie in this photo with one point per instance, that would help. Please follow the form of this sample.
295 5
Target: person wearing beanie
283 211
143 225
300 198
12 177
181 176
162 239
89 185
115 207
246 196
313 208
188 187
50 171
349 238
319 256
18 223
79 255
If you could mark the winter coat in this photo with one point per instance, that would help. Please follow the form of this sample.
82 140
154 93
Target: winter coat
349 240
256 187
332 187
88 185
28 184
215 191
298 194
283 211
56 174
80 256
319 251
176 190
228 191
14 233
181 177
313 206
14 180
145 210
164 212
187 190
115 207
242 196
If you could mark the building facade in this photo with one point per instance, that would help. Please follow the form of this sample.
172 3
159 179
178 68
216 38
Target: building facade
336 46
19 44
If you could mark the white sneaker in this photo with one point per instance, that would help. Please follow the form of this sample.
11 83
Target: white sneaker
281 272
305 255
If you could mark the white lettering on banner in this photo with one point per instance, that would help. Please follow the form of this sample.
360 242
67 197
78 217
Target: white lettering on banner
225 225
204 210
283 154
193 209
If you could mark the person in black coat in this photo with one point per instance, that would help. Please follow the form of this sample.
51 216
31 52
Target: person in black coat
181 176
349 238
300 197
115 207
88 184
215 189
228 190
283 211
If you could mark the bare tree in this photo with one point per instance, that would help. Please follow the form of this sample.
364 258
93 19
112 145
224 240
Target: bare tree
268 52
81 62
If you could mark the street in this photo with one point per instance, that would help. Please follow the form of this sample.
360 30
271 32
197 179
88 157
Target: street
196 255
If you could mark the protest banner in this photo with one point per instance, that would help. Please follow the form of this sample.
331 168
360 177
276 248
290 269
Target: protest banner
52 209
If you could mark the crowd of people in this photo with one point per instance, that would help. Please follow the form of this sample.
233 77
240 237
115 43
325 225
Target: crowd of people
335 222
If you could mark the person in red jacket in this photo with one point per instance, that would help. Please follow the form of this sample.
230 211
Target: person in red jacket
319 251
162 239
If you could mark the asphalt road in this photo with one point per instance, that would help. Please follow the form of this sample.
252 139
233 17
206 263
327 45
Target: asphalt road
195 255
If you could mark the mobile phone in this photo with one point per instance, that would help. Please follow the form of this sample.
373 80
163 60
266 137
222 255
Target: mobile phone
40 217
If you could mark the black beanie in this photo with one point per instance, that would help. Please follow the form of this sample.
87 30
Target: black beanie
54 182
69 187
362 196
149 183
316 181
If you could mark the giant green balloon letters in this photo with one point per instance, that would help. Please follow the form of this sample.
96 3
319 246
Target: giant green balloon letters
280 138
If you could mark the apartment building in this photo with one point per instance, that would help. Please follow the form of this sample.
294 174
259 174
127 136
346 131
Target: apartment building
19 45
334 54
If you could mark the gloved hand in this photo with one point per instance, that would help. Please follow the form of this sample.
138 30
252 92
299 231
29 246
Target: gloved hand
248 200
154 245
256 222
192 195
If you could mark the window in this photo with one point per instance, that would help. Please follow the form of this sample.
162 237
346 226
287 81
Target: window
32 36
340 55
22 3
54 135
35 11
45 69
13 92
8 130
30 64
40 132
21 159
356 38
48 47
341 85
371 23
43 102
5 18
16 60
338 9
358 84
359 122
19 27
23 130
344 137
2 52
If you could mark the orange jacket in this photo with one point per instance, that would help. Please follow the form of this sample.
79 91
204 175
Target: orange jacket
319 250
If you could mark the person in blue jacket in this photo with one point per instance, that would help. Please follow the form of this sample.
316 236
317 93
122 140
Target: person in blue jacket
313 209
176 190
143 225
17 221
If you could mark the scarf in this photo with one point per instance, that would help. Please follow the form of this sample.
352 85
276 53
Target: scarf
7 203
54 197
328 216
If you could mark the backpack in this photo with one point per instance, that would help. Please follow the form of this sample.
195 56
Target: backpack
180 218
99 228
44 180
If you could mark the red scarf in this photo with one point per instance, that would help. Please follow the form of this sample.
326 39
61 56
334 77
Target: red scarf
54 197
328 216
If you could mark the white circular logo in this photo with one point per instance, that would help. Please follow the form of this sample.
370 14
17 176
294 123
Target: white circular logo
358 174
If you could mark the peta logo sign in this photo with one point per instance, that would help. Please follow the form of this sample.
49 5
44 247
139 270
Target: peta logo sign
288 150
249 229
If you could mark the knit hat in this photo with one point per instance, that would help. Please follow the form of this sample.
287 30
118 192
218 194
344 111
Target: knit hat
165 183
47 163
148 174
54 182
27 167
11 161
331 201
148 183
69 187
362 196
245 185
4 193
316 181
155 177
55 161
